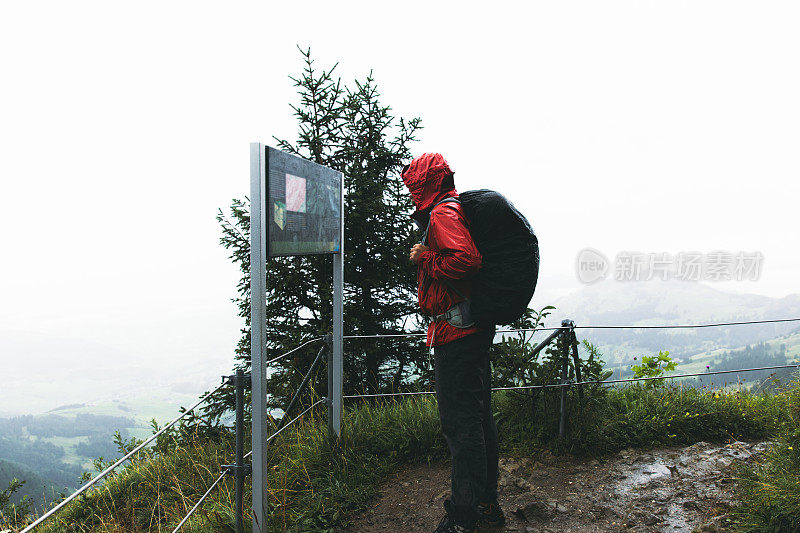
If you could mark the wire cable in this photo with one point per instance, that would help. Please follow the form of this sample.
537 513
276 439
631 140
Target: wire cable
193 509
665 326
388 394
627 380
688 326
386 336
397 335
531 330
708 373
108 470
290 352
248 454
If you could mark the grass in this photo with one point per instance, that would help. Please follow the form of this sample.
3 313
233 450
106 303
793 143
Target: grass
771 488
315 484
639 416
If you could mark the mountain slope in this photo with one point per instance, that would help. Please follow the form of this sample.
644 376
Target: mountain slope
611 303
36 487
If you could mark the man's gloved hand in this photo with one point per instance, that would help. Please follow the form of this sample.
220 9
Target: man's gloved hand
416 251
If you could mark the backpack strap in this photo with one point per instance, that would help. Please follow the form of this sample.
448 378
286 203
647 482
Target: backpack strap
425 241
428 227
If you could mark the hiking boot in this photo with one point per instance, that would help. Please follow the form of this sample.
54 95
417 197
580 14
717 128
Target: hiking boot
490 514
447 525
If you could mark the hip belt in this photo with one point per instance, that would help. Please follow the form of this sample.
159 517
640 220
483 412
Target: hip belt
458 316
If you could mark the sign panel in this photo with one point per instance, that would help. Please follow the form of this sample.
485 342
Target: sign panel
304 202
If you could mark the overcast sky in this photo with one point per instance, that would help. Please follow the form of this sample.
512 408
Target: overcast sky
651 126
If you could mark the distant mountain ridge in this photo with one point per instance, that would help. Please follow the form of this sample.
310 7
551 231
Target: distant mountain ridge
612 303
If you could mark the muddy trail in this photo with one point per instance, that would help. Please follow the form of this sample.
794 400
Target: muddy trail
661 490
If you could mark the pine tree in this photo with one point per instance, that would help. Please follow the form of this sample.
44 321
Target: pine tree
350 130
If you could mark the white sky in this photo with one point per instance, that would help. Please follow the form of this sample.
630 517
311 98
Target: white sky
651 126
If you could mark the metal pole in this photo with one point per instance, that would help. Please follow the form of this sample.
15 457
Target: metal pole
564 347
544 343
337 375
329 396
258 324
577 361
239 480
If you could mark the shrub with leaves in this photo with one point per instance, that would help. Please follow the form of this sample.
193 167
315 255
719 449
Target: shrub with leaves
14 514
654 367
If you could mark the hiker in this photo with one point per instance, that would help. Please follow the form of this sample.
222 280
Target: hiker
445 262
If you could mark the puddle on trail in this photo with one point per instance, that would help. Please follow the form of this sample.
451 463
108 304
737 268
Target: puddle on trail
666 490
644 474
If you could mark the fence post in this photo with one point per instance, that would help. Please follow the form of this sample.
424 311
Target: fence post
564 346
557 334
239 382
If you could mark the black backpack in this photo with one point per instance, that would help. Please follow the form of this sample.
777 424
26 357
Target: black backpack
504 286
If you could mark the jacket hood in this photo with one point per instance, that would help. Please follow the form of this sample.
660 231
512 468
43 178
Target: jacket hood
429 180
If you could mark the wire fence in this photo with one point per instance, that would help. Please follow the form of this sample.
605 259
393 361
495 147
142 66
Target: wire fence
564 383
604 382
594 382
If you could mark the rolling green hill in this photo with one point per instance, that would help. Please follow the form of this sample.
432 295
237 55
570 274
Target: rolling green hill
38 489
52 449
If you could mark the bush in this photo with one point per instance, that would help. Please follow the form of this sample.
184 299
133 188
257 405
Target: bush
13 514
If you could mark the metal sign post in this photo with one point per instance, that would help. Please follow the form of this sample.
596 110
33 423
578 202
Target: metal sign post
296 208
258 337
336 370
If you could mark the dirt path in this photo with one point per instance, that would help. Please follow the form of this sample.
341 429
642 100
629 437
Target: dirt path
662 490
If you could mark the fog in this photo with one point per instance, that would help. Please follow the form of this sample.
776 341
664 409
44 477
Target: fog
655 127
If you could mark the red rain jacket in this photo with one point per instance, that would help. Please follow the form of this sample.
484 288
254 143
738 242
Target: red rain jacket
452 255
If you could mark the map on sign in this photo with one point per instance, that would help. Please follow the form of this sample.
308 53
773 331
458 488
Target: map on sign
304 202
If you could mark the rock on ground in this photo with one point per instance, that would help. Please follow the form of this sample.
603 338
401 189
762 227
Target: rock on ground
663 490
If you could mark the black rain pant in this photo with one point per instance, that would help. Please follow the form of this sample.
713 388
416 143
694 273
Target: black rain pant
463 392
